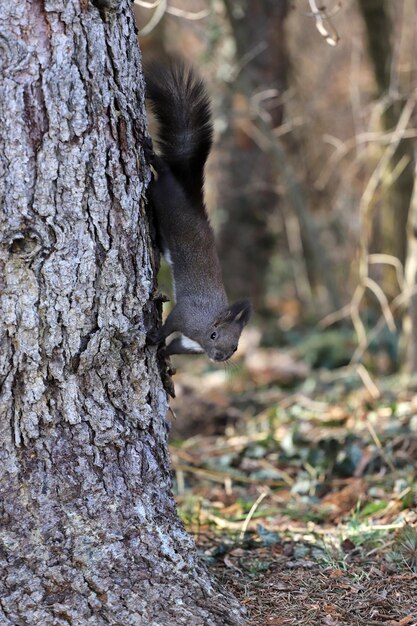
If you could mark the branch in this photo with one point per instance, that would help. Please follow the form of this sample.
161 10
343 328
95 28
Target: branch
161 6
320 15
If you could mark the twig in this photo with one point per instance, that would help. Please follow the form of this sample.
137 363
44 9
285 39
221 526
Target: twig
157 16
297 257
248 58
354 313
219 477
376 177
368 382
379 444
398 301
228 485
335 316
320 14
251 514
342 148
383 301
221 522
304 401
188 15
388 259
365 282
147 5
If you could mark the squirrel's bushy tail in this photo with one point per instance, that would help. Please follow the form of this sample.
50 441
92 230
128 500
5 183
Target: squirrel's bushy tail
182 109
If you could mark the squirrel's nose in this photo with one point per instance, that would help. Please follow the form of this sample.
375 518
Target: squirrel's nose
221 356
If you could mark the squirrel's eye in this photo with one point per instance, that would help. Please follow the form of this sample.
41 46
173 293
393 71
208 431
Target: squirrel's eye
213 335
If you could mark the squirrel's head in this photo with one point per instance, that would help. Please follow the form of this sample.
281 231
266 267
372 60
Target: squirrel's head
222 336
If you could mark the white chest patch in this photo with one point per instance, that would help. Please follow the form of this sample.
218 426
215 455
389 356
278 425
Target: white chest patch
167 256
190 344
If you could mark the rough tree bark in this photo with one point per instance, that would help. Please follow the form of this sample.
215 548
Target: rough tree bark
88 528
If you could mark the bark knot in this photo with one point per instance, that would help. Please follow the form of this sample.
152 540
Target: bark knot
25 243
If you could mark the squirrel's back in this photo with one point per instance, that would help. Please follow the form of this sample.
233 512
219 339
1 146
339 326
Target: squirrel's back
182 109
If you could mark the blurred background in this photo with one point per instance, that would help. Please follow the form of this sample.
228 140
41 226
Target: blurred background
310 183
301 454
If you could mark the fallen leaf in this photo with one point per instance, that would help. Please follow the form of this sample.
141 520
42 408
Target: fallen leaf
345 500
348 545
268 366
403 622
336 573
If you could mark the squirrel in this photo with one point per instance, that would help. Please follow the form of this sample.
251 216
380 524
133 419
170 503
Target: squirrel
202 315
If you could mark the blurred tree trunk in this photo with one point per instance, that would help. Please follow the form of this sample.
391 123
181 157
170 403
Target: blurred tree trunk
410 319
379 29
88 528
246 241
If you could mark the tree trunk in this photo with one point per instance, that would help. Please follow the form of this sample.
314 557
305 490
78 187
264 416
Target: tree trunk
410 318
88 528
248 185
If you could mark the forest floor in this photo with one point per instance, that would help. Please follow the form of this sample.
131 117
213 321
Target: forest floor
300 488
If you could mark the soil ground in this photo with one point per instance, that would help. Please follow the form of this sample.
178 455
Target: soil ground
300 488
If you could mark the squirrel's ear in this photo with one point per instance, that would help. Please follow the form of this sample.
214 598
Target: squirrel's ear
239 312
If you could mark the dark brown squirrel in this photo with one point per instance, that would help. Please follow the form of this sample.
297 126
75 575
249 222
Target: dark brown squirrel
201 314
